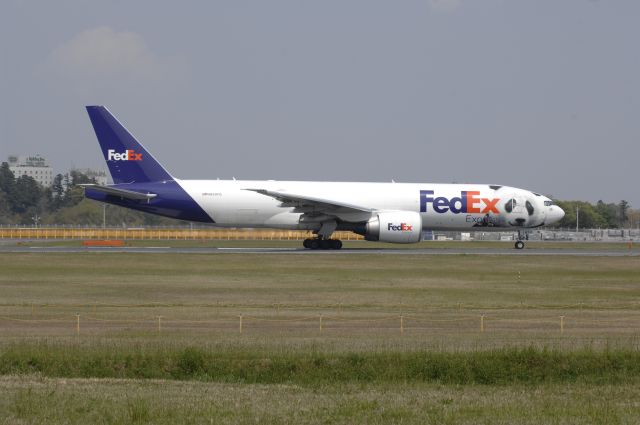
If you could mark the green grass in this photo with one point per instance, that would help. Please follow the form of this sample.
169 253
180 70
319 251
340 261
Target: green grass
200 369
504 366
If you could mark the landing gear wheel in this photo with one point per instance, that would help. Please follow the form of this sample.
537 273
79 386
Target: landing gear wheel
519 245
322 244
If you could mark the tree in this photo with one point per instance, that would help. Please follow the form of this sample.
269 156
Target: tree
66 192
7 181
609 214
80 178
89 213
57 186
57 192
83 214
633 216
6 216
569 219
588 215
623 207
27 197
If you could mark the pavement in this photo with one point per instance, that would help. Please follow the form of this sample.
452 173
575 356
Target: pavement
160 249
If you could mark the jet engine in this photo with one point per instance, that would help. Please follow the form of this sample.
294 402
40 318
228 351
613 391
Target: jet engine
394 227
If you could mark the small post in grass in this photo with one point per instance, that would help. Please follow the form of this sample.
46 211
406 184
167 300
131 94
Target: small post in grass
159 324
240 326
561 325
77 324
321 323
482 323
401 324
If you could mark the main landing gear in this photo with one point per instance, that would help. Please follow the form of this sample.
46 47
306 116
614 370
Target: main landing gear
318 243
322 240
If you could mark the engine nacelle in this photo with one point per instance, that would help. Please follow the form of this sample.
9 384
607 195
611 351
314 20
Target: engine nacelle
394 227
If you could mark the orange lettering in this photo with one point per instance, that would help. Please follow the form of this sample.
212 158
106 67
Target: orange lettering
471 201
490 205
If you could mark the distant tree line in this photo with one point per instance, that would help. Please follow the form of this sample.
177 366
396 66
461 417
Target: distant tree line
599 215
24 201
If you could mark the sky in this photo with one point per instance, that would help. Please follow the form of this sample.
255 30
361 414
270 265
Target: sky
538 94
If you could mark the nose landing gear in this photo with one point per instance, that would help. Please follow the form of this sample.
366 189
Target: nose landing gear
520 242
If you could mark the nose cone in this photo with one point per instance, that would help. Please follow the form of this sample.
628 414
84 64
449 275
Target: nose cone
555 214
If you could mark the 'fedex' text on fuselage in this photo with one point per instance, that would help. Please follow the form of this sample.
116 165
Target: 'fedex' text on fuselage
469 202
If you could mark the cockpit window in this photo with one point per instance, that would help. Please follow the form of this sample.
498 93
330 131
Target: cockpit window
508 207
529 207
548 203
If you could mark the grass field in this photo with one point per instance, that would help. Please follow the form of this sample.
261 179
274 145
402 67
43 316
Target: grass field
27 399
361 367
115 401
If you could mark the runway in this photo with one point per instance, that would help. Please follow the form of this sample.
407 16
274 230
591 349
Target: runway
301 251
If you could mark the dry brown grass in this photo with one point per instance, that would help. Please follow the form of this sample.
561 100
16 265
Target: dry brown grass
361 298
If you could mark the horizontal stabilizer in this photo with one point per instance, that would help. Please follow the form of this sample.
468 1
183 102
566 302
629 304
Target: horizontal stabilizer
122 193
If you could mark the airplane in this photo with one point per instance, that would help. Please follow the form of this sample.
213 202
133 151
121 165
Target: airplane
386 212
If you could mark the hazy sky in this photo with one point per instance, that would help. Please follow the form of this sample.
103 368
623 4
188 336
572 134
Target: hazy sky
539 94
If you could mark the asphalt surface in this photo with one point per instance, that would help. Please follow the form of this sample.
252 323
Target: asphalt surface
301 251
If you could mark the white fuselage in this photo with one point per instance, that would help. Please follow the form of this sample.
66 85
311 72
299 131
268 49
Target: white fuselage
230 203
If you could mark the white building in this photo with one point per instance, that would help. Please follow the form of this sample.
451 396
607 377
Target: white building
34 166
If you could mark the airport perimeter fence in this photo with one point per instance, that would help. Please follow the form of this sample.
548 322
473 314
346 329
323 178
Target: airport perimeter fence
151 233
196 233
37 319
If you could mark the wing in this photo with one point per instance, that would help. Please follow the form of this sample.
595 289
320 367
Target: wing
311 205
122 193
